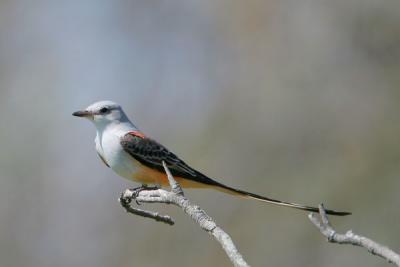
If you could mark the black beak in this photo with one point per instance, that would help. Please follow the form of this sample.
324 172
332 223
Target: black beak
83 113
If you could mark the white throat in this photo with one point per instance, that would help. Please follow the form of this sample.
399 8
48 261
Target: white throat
109 148
110 132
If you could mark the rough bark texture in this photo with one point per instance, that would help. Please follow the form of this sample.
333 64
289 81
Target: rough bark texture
322 223
176 197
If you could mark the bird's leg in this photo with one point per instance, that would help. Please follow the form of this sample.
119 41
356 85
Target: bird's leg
146 187
126 199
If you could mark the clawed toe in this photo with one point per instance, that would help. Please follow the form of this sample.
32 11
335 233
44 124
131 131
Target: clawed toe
135 193
124 199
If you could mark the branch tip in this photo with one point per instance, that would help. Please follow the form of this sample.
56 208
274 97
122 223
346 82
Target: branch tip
175 186
322 223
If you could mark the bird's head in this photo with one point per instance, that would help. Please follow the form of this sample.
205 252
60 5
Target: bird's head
103 113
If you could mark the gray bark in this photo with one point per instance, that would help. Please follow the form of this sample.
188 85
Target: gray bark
322 223
177 198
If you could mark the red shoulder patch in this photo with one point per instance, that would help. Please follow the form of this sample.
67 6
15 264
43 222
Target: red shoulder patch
137 133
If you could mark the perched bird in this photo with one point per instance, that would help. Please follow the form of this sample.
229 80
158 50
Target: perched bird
132 155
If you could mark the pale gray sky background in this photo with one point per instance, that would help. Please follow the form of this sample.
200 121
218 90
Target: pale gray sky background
296 100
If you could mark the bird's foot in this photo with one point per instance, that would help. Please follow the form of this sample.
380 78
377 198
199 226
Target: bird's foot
126 197
146 187
135 191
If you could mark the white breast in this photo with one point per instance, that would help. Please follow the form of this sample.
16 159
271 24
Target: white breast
109 147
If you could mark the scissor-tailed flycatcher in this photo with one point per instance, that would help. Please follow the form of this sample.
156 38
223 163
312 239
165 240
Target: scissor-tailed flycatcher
132 155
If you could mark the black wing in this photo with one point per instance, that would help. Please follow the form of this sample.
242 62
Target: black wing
152 154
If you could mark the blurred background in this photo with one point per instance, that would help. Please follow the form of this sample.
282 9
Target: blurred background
296 100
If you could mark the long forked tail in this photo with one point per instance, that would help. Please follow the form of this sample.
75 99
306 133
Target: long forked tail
237 192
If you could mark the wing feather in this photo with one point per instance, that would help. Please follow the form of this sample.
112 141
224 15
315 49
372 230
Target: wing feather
152 154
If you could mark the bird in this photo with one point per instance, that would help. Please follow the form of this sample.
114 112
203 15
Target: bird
133 155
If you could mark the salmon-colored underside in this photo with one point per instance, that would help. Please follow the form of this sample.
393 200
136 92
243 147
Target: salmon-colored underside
147 175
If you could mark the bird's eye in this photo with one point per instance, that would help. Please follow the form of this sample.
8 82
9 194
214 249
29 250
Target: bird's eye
104 110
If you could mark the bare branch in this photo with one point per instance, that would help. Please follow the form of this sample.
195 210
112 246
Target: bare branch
177 198
175 186
125 198
322 223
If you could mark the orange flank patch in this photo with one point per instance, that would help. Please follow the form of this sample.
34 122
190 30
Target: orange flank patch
146 175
